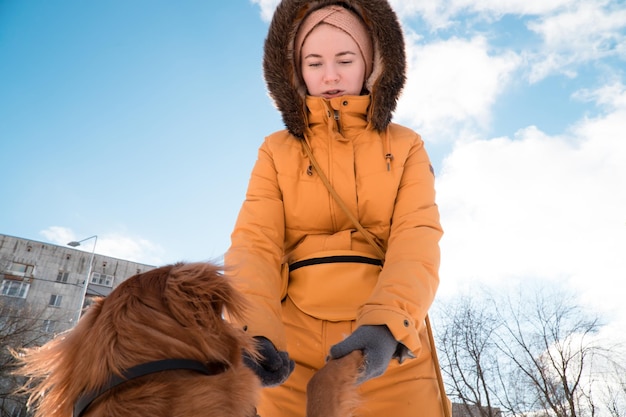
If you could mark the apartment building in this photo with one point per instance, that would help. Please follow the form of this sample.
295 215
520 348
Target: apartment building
49 279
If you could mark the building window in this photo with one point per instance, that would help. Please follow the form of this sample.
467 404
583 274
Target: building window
21 269
102 279
48 326
55 300
62 276
12 288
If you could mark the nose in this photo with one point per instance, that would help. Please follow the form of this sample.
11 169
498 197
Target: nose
331 75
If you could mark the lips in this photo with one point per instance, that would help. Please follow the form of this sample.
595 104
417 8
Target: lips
332 93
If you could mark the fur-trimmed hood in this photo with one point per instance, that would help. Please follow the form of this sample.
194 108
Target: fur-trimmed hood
288 91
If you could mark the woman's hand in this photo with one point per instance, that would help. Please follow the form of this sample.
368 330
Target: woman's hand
378 346
272 367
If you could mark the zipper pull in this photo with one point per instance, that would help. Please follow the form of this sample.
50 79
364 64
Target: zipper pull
336 116
389 158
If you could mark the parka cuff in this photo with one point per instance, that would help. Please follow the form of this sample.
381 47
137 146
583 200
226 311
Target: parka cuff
402 327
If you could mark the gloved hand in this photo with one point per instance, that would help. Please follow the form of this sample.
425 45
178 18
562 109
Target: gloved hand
274 367
378 346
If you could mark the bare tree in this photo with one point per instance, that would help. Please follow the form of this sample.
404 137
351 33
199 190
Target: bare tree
467 345
537 354
20 326
612 384
551 341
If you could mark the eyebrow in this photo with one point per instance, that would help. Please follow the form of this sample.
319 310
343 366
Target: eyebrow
337 54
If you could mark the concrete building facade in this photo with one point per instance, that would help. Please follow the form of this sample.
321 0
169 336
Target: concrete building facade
50 279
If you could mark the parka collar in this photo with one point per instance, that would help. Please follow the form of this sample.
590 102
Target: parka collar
346 115
287 89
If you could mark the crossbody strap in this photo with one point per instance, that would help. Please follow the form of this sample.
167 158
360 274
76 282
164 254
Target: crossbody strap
381 253
339 201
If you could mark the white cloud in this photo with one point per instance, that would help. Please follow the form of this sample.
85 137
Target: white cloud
131 248
112 244
440 14
590 31
435 12
611 96
58 235
267 8
516 7
590 26
540 206
452 86
573 32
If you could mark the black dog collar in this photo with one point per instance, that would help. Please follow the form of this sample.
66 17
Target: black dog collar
211 368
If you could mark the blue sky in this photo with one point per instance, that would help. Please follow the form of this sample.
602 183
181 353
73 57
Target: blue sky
139 121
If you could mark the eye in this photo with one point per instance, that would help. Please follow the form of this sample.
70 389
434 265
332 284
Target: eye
312 62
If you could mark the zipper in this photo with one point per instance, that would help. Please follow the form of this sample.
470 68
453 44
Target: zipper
336 117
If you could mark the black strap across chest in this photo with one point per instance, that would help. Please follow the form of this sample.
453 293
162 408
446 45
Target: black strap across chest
211 368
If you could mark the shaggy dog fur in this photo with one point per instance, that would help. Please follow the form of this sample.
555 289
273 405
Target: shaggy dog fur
170 312
332 392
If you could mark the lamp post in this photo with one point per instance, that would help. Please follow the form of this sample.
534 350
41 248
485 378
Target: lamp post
74 244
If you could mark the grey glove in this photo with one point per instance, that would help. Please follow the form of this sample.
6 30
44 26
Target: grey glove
274 367
378 346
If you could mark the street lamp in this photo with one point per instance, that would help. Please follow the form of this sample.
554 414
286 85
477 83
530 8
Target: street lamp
74 244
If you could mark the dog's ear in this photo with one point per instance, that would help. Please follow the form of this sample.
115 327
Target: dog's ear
197 294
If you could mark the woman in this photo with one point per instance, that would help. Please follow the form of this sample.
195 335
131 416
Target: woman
335 71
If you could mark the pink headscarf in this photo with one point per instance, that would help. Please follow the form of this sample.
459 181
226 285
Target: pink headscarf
343 19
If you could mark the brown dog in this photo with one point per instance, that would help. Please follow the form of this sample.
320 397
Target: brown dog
161 337
332 391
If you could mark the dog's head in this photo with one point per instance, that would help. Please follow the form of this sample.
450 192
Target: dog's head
175 311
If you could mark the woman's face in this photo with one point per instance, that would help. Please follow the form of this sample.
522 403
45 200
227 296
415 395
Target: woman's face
332 64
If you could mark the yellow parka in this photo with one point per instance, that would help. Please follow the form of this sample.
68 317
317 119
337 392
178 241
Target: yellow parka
379 169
